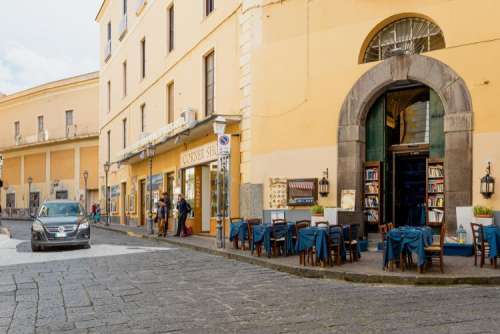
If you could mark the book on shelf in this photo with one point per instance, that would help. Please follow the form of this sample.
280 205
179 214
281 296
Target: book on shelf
436 216
371 188
436 186
372 216
436 171
371 201
436 201
371 174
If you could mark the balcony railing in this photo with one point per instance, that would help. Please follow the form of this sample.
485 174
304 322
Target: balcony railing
53 135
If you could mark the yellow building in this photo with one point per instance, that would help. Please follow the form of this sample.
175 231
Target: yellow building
48 138
386 88
167 69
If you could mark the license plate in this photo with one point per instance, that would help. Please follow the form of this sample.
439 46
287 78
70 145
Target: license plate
60 235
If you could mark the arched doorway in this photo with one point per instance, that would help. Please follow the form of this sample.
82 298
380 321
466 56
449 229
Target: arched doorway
456 150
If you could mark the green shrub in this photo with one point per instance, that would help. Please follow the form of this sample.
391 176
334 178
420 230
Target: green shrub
482 211
317 209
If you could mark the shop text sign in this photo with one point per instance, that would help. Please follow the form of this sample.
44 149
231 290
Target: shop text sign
199 155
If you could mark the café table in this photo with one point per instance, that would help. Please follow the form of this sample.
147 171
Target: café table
492 236
403 240
238 231
262 234
317 237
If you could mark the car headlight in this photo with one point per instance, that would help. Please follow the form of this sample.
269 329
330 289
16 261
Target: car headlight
83 225
37 226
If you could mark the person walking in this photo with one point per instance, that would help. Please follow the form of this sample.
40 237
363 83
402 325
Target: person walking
97 213
183 209
166 213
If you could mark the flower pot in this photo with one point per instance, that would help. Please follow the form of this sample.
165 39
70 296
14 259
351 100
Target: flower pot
483 219
315 218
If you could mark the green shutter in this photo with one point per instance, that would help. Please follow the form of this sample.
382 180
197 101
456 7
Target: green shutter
436 127
375 132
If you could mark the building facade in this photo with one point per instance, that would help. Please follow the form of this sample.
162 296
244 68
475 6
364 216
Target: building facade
395 99
49 137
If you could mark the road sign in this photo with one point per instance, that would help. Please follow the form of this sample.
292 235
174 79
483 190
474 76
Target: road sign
224 144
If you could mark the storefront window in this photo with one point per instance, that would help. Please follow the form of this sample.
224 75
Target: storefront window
189 188
213 192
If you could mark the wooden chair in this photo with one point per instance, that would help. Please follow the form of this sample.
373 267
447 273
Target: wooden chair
351 242
481 246
237 238
436 250
390 226
383 229
278 241
298 226
334 244
250 224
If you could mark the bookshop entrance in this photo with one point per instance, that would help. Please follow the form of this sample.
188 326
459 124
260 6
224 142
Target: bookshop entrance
406 103
404 133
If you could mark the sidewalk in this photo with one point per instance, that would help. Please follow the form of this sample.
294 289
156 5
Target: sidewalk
458 270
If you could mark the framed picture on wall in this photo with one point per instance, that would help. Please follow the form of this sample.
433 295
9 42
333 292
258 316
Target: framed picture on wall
302 192
131 203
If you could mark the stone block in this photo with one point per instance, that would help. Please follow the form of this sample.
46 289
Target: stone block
251 200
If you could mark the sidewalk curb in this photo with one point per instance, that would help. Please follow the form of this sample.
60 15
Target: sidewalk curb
310 272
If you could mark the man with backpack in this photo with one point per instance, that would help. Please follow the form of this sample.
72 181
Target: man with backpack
183 209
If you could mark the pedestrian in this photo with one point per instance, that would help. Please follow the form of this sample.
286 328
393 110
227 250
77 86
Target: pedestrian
97 213
183 209
166 213
93 211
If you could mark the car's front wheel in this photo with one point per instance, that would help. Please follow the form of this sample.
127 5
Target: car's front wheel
35 248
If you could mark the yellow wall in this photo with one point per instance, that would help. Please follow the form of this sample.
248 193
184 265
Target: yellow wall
12 171
89 163
62 164
34 167
307 61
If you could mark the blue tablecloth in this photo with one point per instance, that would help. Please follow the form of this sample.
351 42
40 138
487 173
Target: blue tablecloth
262 234
492 236
238 229
317 237
409 239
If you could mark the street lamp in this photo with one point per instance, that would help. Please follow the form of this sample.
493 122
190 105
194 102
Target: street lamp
149 154
107 165
30 181
219 130
85 178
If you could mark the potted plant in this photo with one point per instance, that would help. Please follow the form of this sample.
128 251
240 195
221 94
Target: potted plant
483 215
317 214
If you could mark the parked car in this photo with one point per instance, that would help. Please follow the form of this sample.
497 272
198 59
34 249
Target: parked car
60 223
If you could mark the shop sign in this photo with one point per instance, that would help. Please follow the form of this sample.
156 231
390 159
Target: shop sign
224 144
199 155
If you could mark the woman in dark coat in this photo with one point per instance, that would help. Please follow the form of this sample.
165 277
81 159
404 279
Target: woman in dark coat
183 209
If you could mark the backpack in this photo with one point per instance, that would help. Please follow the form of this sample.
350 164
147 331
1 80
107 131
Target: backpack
188 208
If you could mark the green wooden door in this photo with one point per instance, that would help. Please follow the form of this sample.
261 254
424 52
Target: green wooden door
375 132
436 127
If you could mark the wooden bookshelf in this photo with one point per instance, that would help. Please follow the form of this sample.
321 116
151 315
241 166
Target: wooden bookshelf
435 198
372 194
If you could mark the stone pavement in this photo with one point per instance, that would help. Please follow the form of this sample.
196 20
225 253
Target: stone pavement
184 291
458 269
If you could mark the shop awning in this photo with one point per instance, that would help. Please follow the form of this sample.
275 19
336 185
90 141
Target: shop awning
195 130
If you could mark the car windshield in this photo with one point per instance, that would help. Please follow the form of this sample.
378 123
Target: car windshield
61 210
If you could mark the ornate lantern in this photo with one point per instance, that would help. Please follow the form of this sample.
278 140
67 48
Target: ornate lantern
324 185
487 183
461 235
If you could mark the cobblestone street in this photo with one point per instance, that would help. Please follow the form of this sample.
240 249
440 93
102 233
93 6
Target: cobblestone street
166 290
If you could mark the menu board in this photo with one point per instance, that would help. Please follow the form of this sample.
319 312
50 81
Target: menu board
277 193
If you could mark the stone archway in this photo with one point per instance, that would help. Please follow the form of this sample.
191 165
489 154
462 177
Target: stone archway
457 127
